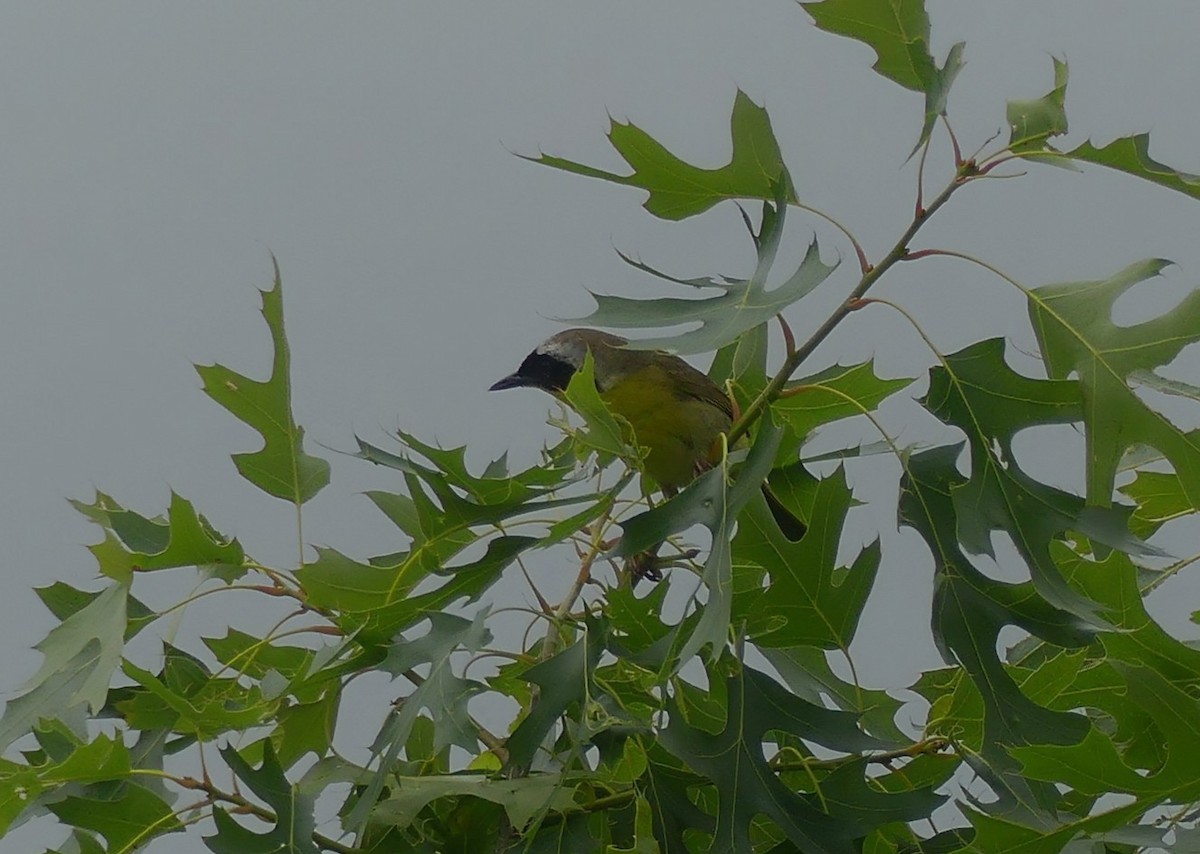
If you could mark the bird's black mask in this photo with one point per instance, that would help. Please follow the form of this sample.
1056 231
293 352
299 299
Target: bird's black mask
539 371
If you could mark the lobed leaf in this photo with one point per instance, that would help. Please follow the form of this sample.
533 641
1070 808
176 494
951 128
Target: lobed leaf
976 391
281 468
441 691
127 820
1131 155
80 655
898 32
1076 332
142 544
678 189
741 305
971 609
732 760
808 600
1032 123
378 601
293 809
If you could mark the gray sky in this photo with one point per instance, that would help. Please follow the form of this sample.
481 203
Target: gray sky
155 154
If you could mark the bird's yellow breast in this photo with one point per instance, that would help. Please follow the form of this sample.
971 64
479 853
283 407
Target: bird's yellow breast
679 432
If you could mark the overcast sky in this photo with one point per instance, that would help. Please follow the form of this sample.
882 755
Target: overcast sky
154 155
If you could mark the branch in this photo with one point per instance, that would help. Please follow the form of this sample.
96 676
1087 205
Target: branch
898 253
926 746
241 805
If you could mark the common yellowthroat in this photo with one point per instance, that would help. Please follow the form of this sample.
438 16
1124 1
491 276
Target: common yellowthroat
678 414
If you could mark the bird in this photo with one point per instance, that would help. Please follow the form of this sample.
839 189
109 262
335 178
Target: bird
677 412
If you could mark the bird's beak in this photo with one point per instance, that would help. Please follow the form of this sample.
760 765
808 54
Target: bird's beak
510 381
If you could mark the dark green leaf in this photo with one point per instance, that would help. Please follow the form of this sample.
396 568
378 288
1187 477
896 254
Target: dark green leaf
441 691
281 468
136 543
897 30
186 698
294 823
523 798
806 671
21 785
809 600
746 785
1160 497
564 680
606 435
976 391
970 609
831 395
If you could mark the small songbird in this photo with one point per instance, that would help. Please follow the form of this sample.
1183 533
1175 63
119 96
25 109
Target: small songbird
678 414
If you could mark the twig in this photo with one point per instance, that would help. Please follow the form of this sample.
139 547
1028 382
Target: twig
898 252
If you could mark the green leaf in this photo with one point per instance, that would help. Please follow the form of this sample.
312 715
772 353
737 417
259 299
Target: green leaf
976 391
746 785
63 600
898 32
378 601
1160 497
1033 123
523 798
809 599
970 610
21 785
1138 640
80 655
439 518
255 657
565 680
831 395
281 468
79 842
741 305
306 727
496 486
1095 766
1076 332
127 821
1131 154
184 538
709 502
806 671
187 698
442 692
643 841
293 808
678 189
606 435
58 697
